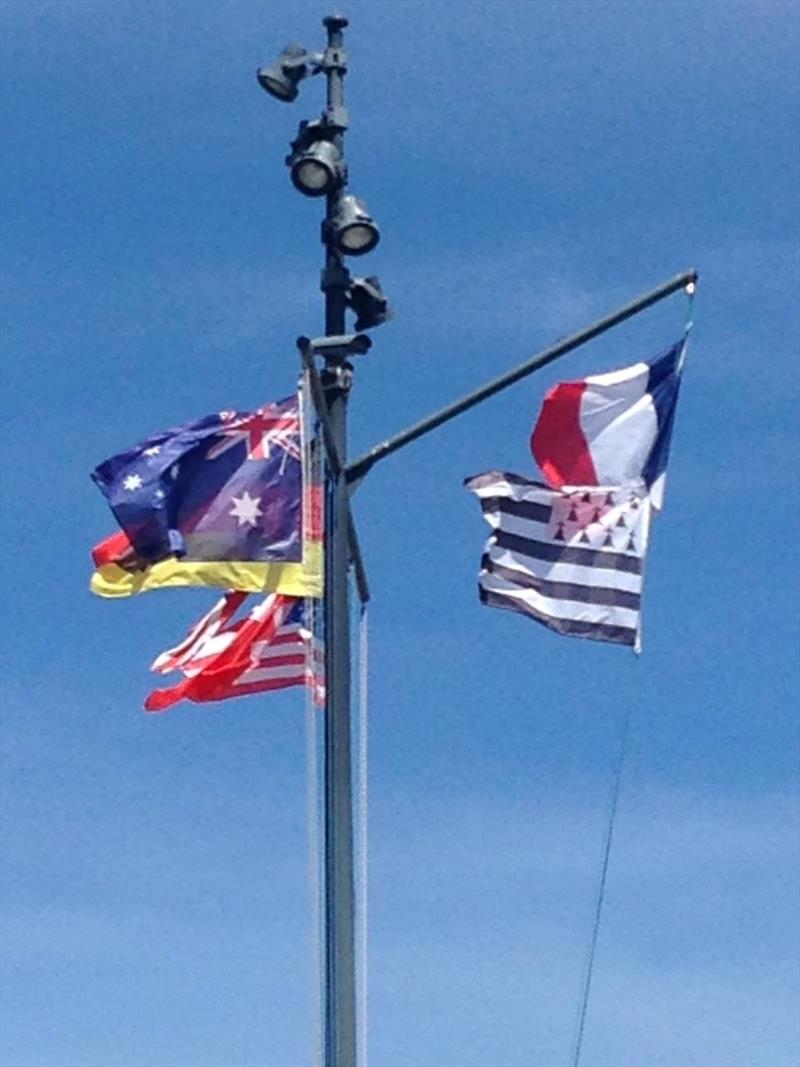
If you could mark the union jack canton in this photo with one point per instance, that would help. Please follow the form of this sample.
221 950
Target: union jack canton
225 487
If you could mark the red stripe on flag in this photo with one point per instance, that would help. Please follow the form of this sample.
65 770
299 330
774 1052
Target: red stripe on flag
113 549
190 649
216 681
558 443
290 659
249 688
314 513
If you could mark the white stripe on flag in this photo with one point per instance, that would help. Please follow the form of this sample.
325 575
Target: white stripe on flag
269 674
561 608
566 572
625 374
199 637
500 486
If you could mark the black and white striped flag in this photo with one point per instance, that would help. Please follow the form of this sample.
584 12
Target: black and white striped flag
570 558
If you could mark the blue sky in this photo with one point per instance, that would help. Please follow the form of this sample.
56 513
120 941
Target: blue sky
532 166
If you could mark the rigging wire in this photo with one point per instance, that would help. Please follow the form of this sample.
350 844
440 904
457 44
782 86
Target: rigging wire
601 889
313 824
363 818
314 622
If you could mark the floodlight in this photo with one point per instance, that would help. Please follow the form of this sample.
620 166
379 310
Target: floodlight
354 228
370 305
316 169
282 78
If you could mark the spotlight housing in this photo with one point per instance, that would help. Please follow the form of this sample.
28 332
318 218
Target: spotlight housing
282 78
366 298
317 170
354 229
315 162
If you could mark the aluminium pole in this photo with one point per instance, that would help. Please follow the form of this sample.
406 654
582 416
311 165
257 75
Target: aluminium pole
340 986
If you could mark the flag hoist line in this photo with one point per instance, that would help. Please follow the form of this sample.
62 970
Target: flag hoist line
362 883
313 513
314 822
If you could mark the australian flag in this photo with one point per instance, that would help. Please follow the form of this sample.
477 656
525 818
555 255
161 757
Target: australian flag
225 487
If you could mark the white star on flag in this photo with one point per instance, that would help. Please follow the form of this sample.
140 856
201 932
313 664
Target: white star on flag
245 509
133 481
152 451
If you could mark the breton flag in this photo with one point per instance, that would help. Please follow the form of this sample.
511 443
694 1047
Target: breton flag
570 552
217 502
270 648
571 560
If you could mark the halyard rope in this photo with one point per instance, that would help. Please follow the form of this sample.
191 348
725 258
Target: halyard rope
314 869
363 819
601 889
312 471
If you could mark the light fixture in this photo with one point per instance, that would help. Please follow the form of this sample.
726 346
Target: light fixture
366 298
315 162
282 78
354 228
317 170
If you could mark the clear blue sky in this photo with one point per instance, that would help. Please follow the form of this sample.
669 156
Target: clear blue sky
532 166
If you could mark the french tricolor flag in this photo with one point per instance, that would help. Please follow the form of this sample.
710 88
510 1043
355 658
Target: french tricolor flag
611 429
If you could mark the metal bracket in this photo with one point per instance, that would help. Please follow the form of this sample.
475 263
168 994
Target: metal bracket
334 58
337 118
334 462
336 347
308 132
334 276
337 377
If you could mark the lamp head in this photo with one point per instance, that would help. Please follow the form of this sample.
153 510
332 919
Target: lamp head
354 229
315 162
366 298
282 78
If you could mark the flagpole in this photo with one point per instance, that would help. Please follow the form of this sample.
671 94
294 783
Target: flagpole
340 962
317 168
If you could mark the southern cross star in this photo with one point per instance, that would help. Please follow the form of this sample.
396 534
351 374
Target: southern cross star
152 451
133 481
245 509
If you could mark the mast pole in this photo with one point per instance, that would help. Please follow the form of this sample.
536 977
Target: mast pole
340 963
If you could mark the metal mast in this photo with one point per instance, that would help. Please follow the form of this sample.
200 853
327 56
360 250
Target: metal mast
318 169
339 938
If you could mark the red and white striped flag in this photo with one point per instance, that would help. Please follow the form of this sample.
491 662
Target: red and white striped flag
270 648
